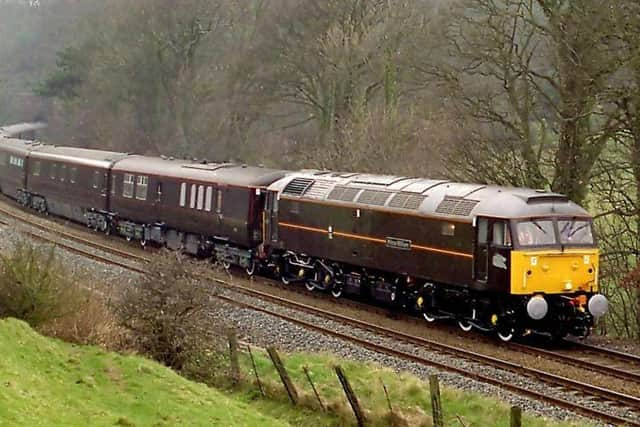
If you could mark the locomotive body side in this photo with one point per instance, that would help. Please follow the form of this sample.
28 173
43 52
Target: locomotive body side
386 240
447 250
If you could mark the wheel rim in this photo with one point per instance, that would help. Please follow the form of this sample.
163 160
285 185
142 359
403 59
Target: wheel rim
428 317
285 279
505 336
310 286
464 325
336 291
128 238
143 243
226 265
251 270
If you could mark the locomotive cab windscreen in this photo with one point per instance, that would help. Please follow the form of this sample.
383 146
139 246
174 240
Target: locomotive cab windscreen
555 232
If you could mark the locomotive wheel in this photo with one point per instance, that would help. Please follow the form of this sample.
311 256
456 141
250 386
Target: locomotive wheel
252 268
506 335
337 289
143 243
285 279
465 325
226 265
128 238
428 316
310 285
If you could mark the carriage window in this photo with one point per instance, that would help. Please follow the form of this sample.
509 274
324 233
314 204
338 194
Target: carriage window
63 173
16 161
52 170
73 173
183 194
3 159
113 183
219 202
36 168
141 187
200 197
159 192
448 229
96 179
208 200
501 234
127 186
192 201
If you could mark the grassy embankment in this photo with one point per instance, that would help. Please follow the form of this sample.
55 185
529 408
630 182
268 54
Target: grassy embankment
49 382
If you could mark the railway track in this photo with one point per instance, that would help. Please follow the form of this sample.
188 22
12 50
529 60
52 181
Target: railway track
565 385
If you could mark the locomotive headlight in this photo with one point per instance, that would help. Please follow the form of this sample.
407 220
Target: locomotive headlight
598 305
537 307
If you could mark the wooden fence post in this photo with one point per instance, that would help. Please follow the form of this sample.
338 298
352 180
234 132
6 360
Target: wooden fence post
313 386
351 396
255 371
436 404
233 356
516 416
386 393
284 375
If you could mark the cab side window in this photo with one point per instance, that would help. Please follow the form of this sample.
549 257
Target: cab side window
501 234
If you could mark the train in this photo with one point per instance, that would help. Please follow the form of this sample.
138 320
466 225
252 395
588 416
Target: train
505 260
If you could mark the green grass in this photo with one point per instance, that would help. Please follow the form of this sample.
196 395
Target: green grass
44 381
47 382
409 396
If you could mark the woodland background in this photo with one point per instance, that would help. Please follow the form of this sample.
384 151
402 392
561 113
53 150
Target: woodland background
536 93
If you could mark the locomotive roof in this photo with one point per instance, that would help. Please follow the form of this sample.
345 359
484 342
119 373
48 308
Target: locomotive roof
428 197
80 156
223 173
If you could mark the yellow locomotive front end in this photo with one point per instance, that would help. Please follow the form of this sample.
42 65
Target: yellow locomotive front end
554 272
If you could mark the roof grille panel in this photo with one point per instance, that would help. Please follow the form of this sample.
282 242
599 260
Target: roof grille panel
319 189
407 201
414 202
456 206
374 197
297 186
399 200
344 194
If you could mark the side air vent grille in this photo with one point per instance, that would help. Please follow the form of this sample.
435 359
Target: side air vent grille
407 201
373 197
344 194
297 186
319 189
456 206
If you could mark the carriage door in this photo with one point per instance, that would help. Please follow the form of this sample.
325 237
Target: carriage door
481 253
271 217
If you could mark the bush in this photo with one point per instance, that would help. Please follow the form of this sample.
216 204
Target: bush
166 314
92 323
34 285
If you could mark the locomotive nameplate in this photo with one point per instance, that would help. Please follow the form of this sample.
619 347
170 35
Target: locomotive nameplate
395 243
